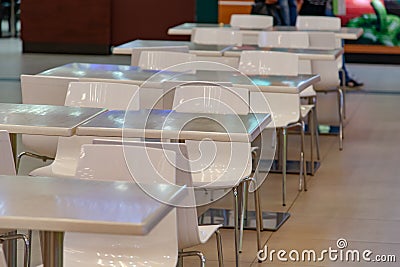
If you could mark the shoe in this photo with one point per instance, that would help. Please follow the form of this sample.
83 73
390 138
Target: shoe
351 83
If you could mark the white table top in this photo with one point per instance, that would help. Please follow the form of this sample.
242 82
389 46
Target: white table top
44 119
198 49
346 33
186 29
78 205
173 125
134 75
307 54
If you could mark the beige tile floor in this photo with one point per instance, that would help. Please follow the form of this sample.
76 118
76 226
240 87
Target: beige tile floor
353 195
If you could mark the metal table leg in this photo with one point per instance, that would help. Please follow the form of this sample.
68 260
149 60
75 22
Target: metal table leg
52 248
10 251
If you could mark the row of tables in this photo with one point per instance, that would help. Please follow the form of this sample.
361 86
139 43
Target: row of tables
202 50
59 205
58 202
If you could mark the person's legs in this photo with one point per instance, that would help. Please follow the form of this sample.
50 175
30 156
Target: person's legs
285 12
292 12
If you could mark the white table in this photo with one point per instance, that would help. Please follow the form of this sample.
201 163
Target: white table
197 49
134 75
306 54
174 125
58 205
43 119
186 29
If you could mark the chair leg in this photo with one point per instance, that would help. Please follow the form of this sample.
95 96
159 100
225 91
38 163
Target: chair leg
284 162
194 253
219 249
243 213
236 224
312 135
343 74
259 221
303 166
27 245
340 104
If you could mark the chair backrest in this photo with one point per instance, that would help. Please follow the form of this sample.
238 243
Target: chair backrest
318 23
285 107
211 99
3 262
323 40
40 89
283 39
135 54
106 159
216 36
159 60
246 21
91 94
7 165
102 94
268 63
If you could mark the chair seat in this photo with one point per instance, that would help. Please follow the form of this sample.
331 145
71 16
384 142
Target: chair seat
308 92
56 170
206 231
305 109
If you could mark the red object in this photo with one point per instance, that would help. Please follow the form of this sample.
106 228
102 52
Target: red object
356 8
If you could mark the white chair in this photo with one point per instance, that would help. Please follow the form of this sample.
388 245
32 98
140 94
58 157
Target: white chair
216 36
283 39
7 167
328 71
38 89
135 54
286 109
159 60
189 232
160 246
3 262
87 94
246 21
217 165
318 23
297 40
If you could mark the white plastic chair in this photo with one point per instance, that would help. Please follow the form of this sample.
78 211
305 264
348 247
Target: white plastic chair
87 94
216 36
160 246
286 109
223 165
328 71
189 232
159 60
135 54
7 167
246 21
318 23
3 262
283 39
297 40
39 89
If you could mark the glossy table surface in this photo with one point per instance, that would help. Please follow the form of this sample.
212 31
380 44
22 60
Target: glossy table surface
173 125
198 49
135 75
307 54
44 119
186 29
79 205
